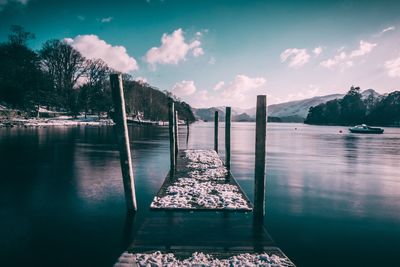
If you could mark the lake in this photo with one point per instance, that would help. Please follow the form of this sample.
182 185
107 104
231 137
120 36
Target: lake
332 199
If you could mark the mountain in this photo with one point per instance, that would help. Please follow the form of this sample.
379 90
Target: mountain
370 92
293 111
298 110
207 114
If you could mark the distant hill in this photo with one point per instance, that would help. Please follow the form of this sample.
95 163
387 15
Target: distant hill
293 111
298 110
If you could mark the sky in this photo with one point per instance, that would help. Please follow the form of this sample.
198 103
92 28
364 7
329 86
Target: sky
225 52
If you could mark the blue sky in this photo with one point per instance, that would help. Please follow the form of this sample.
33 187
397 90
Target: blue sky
213 53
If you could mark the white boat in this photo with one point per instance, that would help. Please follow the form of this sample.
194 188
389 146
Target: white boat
363 128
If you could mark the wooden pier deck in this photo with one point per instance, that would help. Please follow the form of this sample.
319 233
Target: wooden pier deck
201 182
220 234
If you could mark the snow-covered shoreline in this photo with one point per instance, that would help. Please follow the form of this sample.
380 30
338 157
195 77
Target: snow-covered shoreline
203 185
200 259
59 121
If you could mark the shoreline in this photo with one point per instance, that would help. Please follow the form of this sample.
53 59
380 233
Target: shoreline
60 121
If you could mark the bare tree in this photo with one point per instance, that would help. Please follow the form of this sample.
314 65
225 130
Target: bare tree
93 94
65 65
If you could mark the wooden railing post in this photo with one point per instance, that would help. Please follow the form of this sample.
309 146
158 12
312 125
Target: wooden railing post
171 127
259 179
228 138
187 133
216 118
125 157
176 136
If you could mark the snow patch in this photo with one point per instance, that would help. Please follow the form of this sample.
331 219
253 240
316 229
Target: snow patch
200 259
204 186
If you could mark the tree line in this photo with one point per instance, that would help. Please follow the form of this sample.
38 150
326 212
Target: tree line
352 109
60 78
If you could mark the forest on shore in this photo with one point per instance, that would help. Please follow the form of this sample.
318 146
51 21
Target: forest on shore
59 78
353 109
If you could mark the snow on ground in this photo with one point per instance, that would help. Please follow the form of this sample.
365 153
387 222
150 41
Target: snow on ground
204 186
59 121
200 259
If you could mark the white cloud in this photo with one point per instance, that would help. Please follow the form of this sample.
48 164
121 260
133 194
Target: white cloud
198 51
173 49
106 20
80 17
183 88
393 67
330 63
240 86
363 49
201 99
240 92
318 50
91 46
219 85
391 28
296 57
344 60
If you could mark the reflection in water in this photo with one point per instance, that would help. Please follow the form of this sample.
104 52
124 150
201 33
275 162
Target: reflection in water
128 233
350 147
328 194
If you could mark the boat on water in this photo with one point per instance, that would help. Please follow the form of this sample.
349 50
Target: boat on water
141 122
363 128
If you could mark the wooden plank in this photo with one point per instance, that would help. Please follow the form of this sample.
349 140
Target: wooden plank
188 229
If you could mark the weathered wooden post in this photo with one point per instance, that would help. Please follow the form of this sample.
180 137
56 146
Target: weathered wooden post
123 141
216 118
176 135
228 138
187 133
171 112
259 179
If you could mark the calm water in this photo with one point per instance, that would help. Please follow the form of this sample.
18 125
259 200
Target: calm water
332 198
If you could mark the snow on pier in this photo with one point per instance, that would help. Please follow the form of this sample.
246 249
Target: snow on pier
201 182
200 259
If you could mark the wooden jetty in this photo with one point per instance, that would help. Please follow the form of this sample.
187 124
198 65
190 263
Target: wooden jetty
216 232
219 234
201 180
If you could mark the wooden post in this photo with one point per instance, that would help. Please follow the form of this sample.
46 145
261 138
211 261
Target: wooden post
259 179
123 141
176 135
187 133
228 138
171 135
216 118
